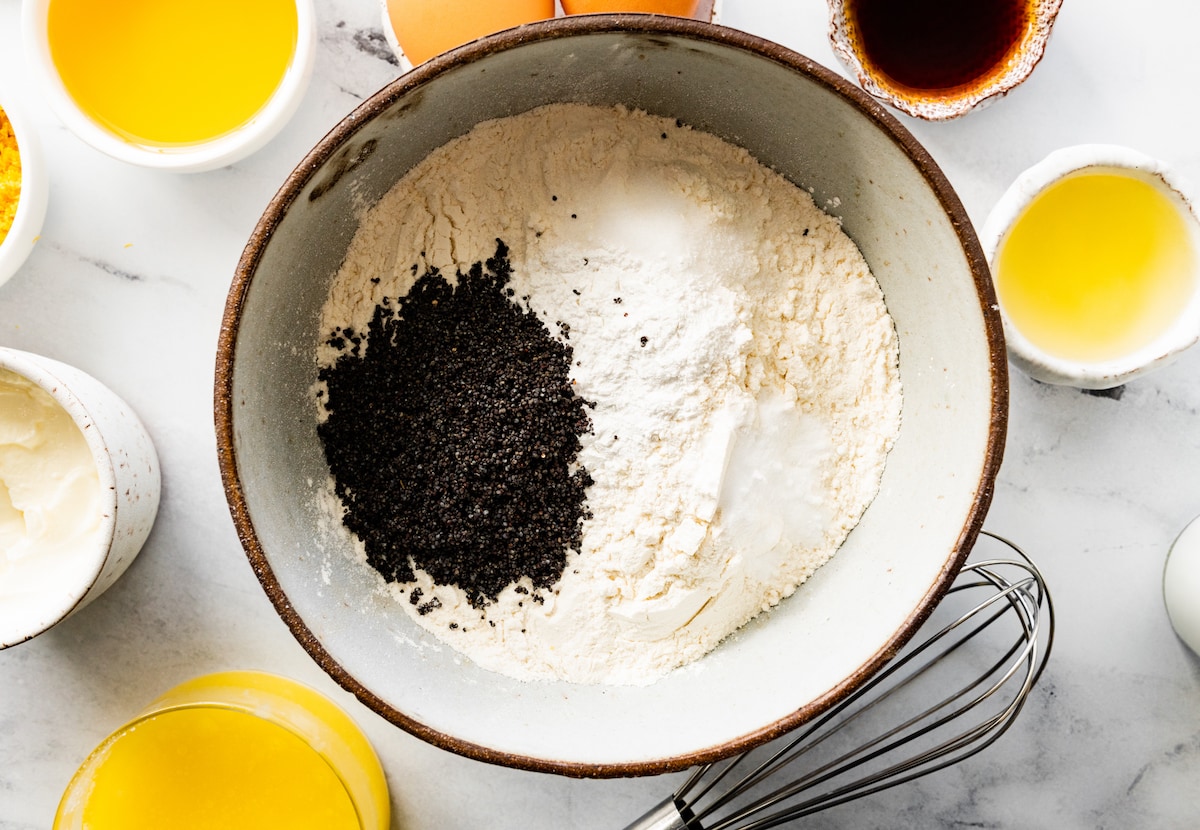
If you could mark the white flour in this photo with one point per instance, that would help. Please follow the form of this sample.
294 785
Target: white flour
742 362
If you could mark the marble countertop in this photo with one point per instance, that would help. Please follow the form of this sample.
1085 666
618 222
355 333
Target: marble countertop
128 283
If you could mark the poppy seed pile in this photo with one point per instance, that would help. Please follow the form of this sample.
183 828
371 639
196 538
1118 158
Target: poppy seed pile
452 438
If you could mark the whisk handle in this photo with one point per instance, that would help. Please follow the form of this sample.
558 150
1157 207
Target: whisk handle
669 814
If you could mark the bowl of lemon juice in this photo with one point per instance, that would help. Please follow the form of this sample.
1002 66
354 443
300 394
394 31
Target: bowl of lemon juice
1095 254
184 85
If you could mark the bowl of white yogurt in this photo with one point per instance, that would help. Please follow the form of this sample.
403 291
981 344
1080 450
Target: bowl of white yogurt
79 490
610 395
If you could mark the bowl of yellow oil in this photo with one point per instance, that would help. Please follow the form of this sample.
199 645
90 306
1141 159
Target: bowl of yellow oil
231 749
183 85
1095 254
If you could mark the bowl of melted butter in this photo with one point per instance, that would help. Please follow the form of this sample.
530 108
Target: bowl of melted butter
940 59
1095 252
173 86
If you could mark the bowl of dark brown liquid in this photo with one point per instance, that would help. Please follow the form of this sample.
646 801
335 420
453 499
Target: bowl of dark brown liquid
940 59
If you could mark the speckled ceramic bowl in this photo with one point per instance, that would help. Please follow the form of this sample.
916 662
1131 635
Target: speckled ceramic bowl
944 104
129 482
790 664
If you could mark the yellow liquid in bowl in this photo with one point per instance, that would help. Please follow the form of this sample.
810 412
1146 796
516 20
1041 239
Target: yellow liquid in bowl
202 769
1096 267
172 72
231 751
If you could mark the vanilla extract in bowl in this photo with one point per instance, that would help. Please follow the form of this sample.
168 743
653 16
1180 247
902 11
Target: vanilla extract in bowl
939 44
939 59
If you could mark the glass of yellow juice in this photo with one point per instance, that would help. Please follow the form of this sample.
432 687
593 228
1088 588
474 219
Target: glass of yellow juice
239 749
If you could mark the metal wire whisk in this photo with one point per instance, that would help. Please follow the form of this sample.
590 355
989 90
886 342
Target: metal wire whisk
949 694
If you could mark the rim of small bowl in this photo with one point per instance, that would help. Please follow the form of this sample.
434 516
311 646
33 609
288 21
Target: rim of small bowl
465 55
389 31
1174 340
393 42
191 158
35 189
1168 594
943 108
42 371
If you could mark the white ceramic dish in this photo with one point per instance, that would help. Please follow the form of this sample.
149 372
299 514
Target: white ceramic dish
788 665
35 189
129 481
192 158
1182 333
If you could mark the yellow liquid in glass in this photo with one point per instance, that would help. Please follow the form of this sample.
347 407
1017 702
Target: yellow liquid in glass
172 72
214 769
1097 266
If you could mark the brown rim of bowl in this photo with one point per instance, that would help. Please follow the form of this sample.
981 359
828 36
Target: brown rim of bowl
502 41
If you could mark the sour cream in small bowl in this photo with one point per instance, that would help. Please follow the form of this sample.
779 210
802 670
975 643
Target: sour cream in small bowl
79 490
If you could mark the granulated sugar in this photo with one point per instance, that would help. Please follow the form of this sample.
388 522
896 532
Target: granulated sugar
735 354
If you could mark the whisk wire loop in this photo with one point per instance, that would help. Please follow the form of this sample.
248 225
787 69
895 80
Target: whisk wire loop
727 795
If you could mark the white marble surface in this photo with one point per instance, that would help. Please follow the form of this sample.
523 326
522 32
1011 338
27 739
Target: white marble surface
128 283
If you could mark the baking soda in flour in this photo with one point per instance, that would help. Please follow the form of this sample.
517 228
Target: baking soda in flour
737 358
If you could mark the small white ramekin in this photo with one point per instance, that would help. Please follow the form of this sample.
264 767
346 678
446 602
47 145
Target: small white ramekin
1183 332
130 485
35 189
191 158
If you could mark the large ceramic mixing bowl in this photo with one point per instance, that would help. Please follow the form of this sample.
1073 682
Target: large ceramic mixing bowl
787 665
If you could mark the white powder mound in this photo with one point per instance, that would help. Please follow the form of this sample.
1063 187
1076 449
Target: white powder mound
738 350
